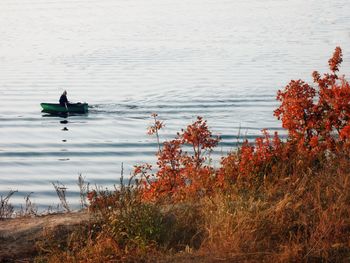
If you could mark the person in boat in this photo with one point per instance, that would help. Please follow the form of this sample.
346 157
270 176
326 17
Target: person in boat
63 99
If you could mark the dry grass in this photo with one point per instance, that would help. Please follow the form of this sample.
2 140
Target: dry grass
6 209
294 219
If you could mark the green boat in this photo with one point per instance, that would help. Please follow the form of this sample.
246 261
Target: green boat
71 108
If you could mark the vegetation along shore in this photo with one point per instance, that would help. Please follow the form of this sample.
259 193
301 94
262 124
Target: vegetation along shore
272 200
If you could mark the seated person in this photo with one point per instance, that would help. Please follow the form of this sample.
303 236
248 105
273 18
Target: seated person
63 99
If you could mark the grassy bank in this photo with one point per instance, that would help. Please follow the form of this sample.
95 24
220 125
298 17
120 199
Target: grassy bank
291 217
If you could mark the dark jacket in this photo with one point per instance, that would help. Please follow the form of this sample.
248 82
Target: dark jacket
63 100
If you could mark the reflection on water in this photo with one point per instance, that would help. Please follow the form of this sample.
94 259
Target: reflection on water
223 60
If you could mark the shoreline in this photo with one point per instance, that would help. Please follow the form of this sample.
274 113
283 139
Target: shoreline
18 236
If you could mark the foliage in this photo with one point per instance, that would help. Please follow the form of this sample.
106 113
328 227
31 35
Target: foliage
313 116
182 174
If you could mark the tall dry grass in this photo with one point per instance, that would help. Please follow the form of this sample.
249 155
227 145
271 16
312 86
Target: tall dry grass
293 218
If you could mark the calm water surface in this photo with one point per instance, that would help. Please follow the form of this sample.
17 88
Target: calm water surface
223 60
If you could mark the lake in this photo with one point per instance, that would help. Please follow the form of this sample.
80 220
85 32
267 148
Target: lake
223 60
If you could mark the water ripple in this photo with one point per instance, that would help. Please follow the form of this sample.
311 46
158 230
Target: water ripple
223 60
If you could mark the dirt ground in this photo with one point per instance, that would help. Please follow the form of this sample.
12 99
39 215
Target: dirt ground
19 235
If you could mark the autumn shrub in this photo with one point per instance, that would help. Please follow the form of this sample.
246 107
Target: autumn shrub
317 117
183 171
